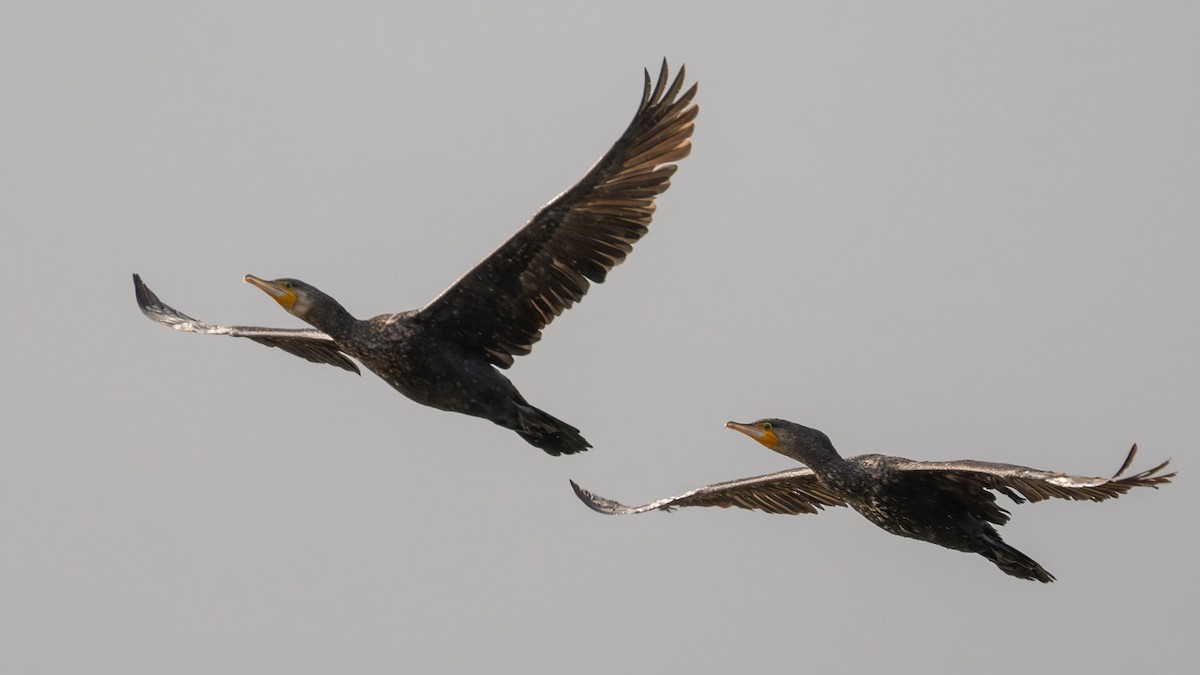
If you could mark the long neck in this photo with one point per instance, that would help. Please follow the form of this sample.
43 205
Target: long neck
823 460
821 457
847 477
330 317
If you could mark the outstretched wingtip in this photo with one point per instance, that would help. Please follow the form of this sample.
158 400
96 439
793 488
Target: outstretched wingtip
158 311
663 74
584 495
1128 461
1148 478
1152 477
145 297
664 88
597 503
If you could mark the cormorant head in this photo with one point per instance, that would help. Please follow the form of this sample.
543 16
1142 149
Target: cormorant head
788 438
297 297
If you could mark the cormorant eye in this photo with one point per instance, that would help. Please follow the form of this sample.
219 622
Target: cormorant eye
286 284
766 426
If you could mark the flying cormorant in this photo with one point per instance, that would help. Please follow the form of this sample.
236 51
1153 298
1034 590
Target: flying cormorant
943 503
446 354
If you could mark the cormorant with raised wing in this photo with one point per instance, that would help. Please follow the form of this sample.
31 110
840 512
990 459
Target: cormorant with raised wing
446 354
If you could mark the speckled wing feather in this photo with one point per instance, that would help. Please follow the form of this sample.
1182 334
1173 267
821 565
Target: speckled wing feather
789 492
307 343
1036 485
502 304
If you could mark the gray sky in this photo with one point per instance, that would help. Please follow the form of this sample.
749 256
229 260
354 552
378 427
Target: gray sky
939 232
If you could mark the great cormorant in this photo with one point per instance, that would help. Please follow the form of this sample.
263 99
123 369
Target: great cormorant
945 503
446 354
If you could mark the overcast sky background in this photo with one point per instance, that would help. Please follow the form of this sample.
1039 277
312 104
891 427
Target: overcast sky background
941 231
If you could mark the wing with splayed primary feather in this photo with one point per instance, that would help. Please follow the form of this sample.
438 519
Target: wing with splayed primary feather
501 306
1036 485
789 492
307 343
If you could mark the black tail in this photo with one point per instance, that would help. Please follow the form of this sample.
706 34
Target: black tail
1015 563
545 431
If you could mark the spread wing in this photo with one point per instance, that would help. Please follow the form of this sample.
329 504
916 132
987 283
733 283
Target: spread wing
790 492
307 343
501 306
973 479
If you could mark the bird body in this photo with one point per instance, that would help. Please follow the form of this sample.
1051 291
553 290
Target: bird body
917 506
951 504
447 354
418 362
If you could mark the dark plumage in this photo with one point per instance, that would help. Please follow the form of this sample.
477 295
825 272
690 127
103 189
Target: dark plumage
945 503
446 354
